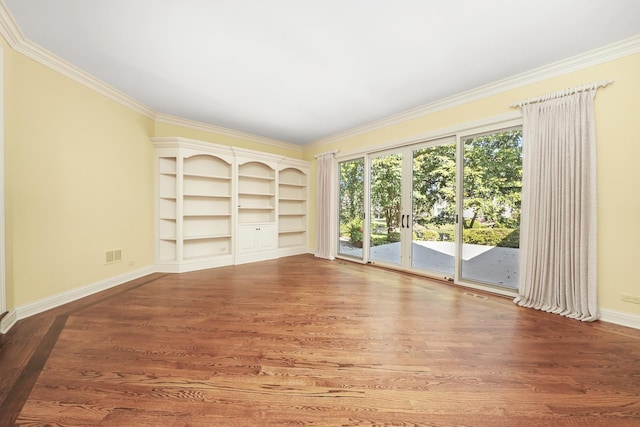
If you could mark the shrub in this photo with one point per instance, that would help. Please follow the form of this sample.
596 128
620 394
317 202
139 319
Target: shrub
354 228
503 237
394 236
427 235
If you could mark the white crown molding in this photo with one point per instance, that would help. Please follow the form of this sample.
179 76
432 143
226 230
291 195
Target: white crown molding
12 34
598 56
204 127
20 44
8 27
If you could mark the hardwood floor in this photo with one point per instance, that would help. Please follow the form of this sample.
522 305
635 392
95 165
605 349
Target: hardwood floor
302 341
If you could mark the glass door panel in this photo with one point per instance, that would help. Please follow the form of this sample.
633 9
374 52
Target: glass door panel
434 209
492 189
351 208
386 208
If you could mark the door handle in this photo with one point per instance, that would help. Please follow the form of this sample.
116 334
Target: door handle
402 222
408 216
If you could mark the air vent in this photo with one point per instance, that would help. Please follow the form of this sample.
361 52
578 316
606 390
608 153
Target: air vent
471 294
113 256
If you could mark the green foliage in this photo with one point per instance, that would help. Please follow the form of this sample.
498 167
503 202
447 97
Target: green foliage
492 181
351 190
386 182
426 235
502 237
434 184
354 229
492 184
492 178
394 236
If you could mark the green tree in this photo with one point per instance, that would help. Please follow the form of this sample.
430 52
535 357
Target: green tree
351 190
434 184
492 181
386 187
493 178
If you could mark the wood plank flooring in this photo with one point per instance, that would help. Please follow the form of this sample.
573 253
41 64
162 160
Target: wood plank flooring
302 341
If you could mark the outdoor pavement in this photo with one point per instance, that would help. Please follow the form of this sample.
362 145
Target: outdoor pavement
487 264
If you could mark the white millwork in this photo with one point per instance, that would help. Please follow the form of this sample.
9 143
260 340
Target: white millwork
220 205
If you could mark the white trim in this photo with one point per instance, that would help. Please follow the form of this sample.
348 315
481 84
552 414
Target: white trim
187 266
8 321
8 28
3 265
12 34
14 37
75 294
619 318
610 316
204 127
598 56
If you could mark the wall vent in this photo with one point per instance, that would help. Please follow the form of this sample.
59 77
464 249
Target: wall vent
113 256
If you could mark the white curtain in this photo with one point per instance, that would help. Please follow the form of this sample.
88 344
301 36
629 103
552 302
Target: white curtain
325 206
558 232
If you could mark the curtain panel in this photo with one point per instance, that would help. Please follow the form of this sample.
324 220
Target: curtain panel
325 206
558 233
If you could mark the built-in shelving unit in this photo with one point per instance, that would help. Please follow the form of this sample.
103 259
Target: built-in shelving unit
257 208
256 193
292 207
219 205
167 209
207 197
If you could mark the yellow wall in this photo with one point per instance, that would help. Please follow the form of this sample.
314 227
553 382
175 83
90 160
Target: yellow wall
79 171
79 175
618 151
79 182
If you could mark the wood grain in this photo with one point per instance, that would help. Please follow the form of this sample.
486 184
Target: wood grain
302 341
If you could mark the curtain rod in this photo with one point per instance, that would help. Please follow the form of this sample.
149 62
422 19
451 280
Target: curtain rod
325 153
561 93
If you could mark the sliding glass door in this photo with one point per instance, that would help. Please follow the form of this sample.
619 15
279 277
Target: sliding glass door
412 207
351 208
434 209
492 189
387 220
443 208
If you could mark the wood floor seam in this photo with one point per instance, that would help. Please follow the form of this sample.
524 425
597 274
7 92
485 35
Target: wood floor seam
301 341
19 393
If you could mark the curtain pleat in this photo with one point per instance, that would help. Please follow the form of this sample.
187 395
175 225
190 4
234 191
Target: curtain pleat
324 206
558 225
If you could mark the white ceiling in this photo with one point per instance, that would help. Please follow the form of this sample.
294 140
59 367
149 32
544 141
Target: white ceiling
301 70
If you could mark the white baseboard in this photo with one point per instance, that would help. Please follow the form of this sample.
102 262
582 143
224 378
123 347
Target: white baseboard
8 321
185 267
619 318
24 311
57 300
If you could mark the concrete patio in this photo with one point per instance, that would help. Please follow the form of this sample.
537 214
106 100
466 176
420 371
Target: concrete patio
487 264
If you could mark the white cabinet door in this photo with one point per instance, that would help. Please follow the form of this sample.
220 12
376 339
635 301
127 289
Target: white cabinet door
256 237
247 238
267 237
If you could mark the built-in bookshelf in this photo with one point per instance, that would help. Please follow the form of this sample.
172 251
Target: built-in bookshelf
256 193
167 209
206 199
292 208
219 205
